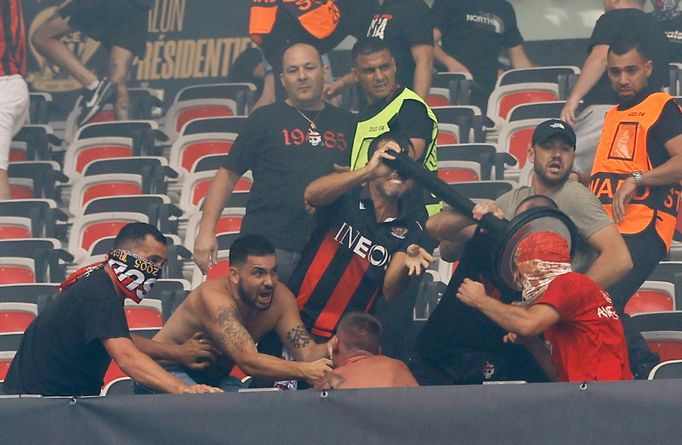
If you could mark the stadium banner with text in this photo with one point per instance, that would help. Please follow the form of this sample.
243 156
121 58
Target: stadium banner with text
639 412
188 42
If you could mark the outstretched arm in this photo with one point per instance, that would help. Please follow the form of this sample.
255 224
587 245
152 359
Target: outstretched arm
423 71
521 320
327 189
403 267
593 68
293 333
205 245
195 353
146 371
227 331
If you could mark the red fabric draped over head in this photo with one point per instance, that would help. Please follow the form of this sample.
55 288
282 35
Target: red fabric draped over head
545 246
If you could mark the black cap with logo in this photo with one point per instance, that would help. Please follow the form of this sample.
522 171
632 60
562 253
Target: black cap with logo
551 128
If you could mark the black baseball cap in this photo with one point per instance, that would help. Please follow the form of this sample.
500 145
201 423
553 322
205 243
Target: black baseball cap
551 128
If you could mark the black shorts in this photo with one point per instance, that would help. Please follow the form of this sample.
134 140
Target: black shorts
120 23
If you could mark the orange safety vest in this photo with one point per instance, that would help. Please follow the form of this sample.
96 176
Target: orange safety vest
622 150
318 17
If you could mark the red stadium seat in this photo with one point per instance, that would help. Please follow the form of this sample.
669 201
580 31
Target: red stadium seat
15 270
515 138
88 188
459 171
15 317
448 134
667 344
6 358
146 314
652 296
199 111
506 97
15 227
438 97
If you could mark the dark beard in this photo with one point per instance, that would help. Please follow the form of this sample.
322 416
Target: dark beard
551 182
249 300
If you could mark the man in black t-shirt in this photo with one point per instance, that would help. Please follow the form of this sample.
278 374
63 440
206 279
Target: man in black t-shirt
286 146
364 244
286 28
668 17
593 87
406 26
469 37
120 25
66 350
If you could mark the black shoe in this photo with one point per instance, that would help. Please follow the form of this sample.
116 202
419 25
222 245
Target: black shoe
93 100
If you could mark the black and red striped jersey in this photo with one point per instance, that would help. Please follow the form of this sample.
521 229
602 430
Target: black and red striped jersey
12 38
343 266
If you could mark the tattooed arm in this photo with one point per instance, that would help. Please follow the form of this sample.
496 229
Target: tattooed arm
295 336
227 331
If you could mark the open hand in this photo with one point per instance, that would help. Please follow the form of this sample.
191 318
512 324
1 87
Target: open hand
417 259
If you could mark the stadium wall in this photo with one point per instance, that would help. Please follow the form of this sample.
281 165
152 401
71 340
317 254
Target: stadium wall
640 412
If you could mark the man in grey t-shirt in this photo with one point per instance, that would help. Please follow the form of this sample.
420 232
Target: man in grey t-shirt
455 340
552 154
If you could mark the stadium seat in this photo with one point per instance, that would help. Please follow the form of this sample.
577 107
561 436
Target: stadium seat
118 387
87 229
37 293
148 313
6 358
543 74
652 296
458 84
196 185
658 321
219 270
40 216
15 317
459 171
35 179
230 221
39 107
670 369
171 293
448 134
468 119
438 97
487 155
515 138
505 97
206 101
48 259
15 227
428 296
154 170
667 344
214 125
536 110
33 143
88 188
188 150
158 208
17 270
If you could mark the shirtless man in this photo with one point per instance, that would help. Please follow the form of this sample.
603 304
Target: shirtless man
237 311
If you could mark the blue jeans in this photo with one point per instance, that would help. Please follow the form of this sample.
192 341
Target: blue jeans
227 383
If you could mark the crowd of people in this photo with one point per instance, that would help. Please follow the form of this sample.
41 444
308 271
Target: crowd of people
331 229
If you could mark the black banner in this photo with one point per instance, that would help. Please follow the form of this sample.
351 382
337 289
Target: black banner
639 412
188 42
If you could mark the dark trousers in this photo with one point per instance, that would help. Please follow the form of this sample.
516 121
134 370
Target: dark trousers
646 250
